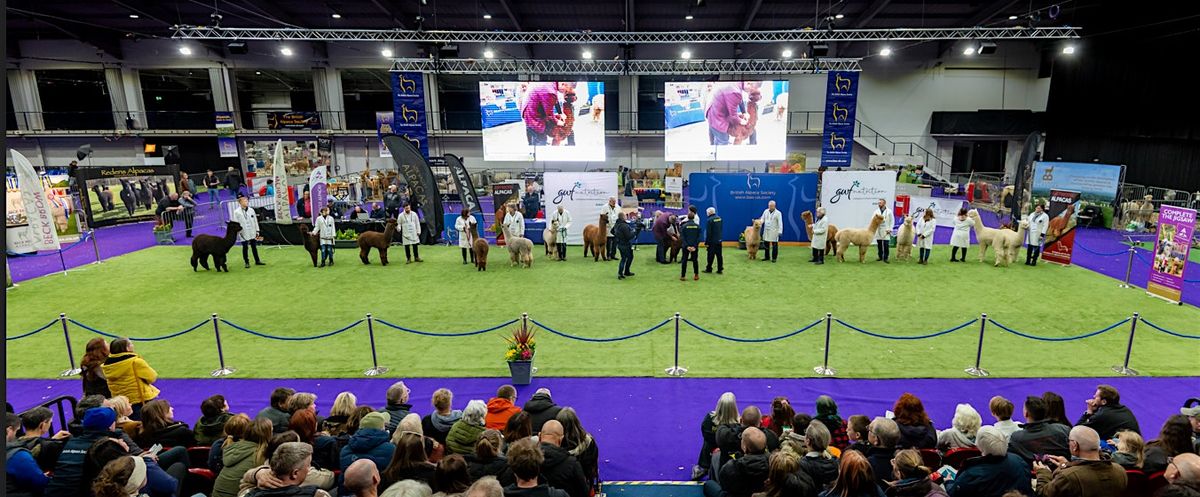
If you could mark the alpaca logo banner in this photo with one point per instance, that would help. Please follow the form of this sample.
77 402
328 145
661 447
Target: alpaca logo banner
850 198
38 211
583 195
407 118
1060 234
841 100
1176 227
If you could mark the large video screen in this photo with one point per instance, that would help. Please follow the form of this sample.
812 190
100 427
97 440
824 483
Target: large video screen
726 120
542 120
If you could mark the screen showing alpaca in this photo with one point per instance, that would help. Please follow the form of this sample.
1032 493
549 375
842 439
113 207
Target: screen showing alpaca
542 120
726 120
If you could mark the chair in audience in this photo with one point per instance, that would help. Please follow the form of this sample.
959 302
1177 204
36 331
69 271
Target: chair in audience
1137 484
931 458
956 457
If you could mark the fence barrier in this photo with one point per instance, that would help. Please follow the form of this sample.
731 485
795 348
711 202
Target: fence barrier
677 320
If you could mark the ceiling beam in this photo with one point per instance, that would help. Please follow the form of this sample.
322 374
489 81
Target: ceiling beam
751 14
872 10
512 17
388 12
990 11
630 18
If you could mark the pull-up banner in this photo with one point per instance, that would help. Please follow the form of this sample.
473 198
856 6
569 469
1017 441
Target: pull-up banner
462 180
421 185
1060 235
1176 226
841 100
408 106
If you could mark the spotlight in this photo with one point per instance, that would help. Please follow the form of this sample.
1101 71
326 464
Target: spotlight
587 54
488 53
839 16
689 17
969 51
134 16
286 51
258 73
487 16
885 52
387 52
686 54
185 50
1068 50
787 53
336 15
1012 18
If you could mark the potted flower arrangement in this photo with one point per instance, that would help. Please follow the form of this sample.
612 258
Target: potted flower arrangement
163 234
346 238
521 348
742 241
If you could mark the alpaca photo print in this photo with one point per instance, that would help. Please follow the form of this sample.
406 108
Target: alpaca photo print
112 195
1060 235
542 120
54 183
1176 227
726 120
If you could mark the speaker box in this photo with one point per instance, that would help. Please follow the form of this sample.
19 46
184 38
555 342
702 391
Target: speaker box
238 48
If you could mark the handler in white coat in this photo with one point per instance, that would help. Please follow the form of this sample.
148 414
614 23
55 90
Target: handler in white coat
883 234
820 238
324 229
926 227
563 218
611 211
465 226
410 234
514 222
961 239
244 215
1035 235
772 228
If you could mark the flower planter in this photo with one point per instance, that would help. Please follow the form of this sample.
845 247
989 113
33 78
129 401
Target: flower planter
164 238
342 244
521 372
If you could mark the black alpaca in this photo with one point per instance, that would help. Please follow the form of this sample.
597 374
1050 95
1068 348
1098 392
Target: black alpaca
204 245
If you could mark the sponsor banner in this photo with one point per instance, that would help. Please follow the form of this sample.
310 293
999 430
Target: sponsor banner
740 198
318 190
226 142
1097 184
40 212
945 210
408 108
1060 235
502 195
841 100
581 194
1176 227
114 195
383 127
68 219
294 120
850 198
283 207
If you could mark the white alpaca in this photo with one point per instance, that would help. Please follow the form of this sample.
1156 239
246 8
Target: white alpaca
550 236
520 250
904 240
984 235
1008 243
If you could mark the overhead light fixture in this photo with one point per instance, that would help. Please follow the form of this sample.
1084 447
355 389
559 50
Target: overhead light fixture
587 54
839 16
387 52
286 51
185 50
488 53
1068 50
886 51
487 16
787 53
1012 18
336 15
134 16
258 73
969 51
686 54
689 17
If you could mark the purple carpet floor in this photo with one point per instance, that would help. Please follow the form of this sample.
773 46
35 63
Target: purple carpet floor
649 428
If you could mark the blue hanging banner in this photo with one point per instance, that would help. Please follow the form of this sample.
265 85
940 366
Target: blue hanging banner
841 100
408 106
225 137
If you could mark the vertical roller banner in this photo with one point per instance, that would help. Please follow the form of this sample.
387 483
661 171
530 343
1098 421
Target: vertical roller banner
423 191
462 180
1060 235
318 190
408 106
841 100
39 213
283 208
226 143
1176 227
503 194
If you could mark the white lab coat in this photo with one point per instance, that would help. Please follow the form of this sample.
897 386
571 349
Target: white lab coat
820 230
772 225
515 224
249 221
926 228
962 232
611 213
323 227
410 228
1038 224
564 223
884 232
465 226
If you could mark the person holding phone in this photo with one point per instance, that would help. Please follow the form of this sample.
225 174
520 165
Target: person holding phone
1085 474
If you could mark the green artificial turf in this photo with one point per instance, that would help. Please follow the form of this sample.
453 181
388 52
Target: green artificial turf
154 292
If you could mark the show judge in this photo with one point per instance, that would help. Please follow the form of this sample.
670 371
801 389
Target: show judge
820 236
772 228
611 210
1035 235
883 234
514 222
465 226
410 234
245 216
563 218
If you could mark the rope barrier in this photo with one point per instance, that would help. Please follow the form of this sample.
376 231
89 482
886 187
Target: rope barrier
919 337
82 238
753 340
294 339
1064 339
34 332
1169 332
599 340
1146 262
155 339
1101 254
431 334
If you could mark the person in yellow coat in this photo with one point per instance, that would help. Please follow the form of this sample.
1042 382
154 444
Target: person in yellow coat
130 375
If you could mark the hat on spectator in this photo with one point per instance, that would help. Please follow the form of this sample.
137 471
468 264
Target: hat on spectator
99 418
375 420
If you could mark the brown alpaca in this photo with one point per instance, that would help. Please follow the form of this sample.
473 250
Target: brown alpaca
369 239
561 133
675 244
830 233
312 243
861 237
594 238
741 132
1058 225
218 247
480 246
752 239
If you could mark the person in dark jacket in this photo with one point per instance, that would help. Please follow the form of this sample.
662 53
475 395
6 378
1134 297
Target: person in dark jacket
541 408
526 461
580 444
437 424
725 413
397 405
408 462
662 221
159 427
71 474
746 474
1183 477
994 473
561 469
882 437
234 182
392 202
912 478
816 464
37 423
916 430
487 460
690 234
1038 436
785 480
23 476
277 412
712 241
623 234
1106 415
91 368
371 441
211 425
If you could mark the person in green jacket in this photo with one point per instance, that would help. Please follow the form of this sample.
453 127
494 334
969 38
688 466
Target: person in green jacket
211 426
238 456
465 432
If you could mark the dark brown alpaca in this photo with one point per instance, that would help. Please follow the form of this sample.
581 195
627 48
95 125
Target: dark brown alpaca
218 247
368 239
480 247
311 242
594 238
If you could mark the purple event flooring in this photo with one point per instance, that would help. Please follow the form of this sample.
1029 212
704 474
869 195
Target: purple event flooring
649 428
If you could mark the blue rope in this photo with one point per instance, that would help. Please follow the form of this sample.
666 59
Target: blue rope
430 334
585 339
919 337
1169 332
1101 254
155 339
753 340
34 332
1065 339
1144 261
82 238
297 339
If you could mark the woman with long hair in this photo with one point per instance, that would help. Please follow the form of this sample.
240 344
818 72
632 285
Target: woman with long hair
855 478
1131 450
518 427
159 426
916 430
782 413
450 478
487 460
725 413
579 443
242 455
1175 438
235 429
130 375
120 404
94 382
912 477
122 477
408 462
325 451
1056 409
412 424
339 416
784 478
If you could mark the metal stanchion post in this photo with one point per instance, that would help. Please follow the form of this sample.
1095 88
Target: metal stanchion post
1124 369
676 370
223 371
375 370
977 370
62 318
62 261
824 369
1128 267
95 248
